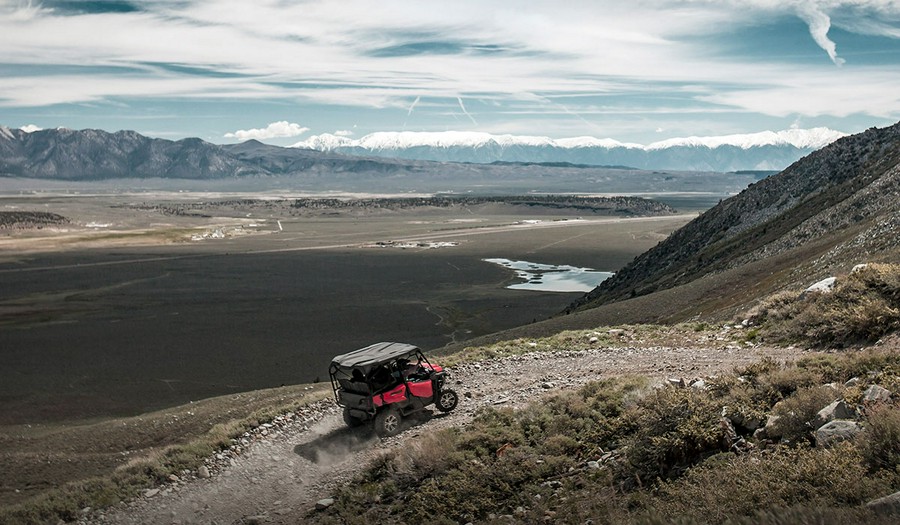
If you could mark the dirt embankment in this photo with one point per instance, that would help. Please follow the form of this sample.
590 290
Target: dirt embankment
276 474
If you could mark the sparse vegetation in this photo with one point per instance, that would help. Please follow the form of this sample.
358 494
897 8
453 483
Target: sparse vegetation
618 451
864 306
166 453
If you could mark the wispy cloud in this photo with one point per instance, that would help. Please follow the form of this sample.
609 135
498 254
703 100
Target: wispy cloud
413 106
274 130
466 113
819 24
354 54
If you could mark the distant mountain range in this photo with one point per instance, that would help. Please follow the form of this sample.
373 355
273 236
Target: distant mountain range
93 156
758 151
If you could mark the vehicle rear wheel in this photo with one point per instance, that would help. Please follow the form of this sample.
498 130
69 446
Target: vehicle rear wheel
351 420
447 400
387 422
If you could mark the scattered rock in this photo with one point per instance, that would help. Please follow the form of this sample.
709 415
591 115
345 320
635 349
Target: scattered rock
203 472
853 381
824 286
149 493
836 410
770 430
323 504
255 520
593 465
593 340
836 431
547 385
876 394
676 382
886 506
729 434
616 332
859 267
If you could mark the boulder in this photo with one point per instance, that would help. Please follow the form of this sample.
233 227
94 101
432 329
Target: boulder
676 382
876 394
323 504
886 506
859 267
771 430
729 434
836 410
823 286
698 384
835 432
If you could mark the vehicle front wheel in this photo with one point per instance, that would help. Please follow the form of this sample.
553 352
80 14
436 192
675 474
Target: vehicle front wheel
447 400
387 422
351 420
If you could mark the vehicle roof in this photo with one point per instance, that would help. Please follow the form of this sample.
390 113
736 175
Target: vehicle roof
373 355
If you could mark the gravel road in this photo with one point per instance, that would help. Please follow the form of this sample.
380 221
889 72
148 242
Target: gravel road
277 473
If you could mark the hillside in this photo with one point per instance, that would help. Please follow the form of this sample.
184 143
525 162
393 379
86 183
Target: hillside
823 214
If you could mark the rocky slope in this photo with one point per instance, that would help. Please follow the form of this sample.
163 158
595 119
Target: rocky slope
824 213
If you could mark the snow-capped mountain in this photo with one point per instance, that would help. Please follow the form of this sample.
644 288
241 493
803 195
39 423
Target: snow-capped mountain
767 150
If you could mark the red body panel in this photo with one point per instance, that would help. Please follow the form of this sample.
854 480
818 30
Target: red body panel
394 395
420 388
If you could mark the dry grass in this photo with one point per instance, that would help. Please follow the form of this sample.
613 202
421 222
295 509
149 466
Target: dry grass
864 306
662 453
162 449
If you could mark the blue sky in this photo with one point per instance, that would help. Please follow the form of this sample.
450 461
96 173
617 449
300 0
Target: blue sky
279 70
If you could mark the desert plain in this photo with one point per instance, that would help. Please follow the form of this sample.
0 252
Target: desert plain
141 301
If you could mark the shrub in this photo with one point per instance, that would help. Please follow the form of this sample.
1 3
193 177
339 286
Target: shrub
673 429
880 443
797 411
864 306
744 485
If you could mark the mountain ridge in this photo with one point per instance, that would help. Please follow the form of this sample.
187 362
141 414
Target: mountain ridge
844 198
764 150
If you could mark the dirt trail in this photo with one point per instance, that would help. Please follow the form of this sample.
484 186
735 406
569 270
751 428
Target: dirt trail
278 478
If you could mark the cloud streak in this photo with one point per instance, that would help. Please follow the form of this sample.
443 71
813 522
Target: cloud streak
819 24
413 106
465 112
280 129
601 57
